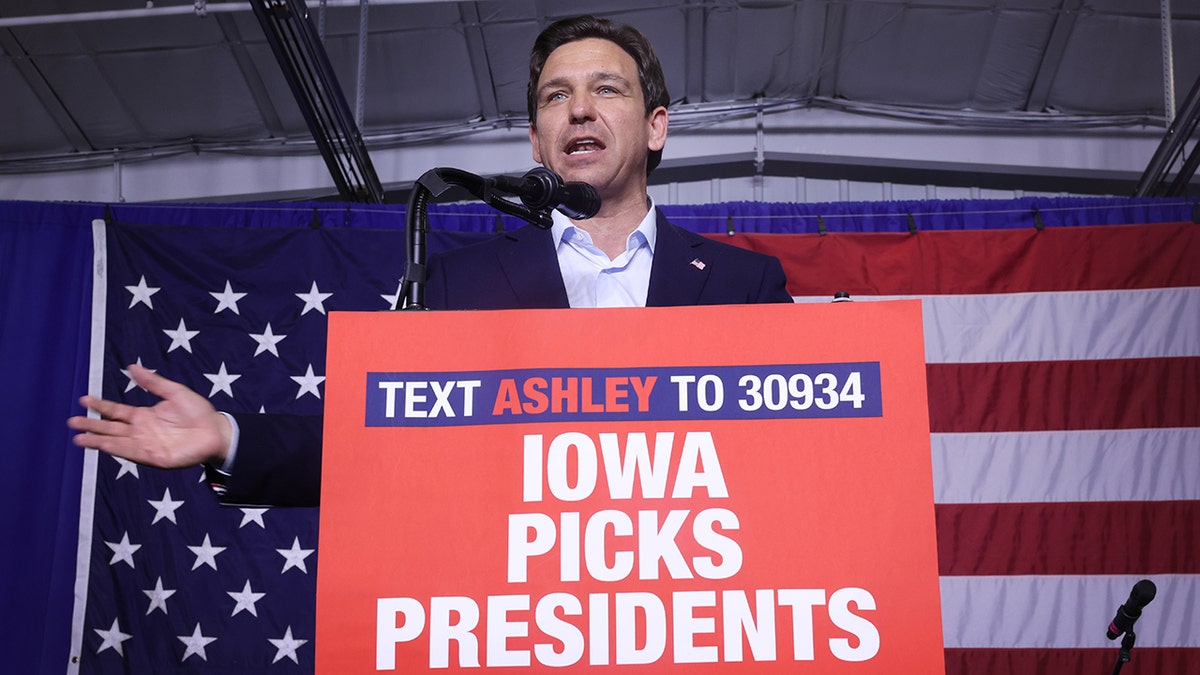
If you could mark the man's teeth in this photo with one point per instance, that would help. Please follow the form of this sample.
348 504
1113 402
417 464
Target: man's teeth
582 147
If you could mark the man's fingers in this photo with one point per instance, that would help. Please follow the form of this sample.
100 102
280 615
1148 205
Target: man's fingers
109 444
107 409
153 382
102 434
102 427
90 440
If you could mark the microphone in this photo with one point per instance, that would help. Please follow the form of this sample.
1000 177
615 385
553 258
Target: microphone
1128 613
542 189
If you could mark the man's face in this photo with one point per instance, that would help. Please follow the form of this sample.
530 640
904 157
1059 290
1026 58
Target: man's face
591 119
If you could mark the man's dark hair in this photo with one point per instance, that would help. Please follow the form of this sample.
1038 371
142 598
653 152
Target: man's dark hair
650 74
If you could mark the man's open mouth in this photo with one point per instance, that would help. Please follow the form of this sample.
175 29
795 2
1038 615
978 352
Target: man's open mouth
583 146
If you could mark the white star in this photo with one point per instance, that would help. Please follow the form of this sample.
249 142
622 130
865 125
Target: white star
158 597
313 299
133 384
165 508
113 637
295 556
287 646
126 467
206 554
308 383
245 599
221 381
395 297
181 337
253 516
142 293
122 550
227 299
267 341
196 642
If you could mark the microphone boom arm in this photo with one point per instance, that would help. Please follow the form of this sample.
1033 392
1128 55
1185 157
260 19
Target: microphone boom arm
435 183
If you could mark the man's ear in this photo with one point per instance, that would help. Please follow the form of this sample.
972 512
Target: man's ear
657 122
533 142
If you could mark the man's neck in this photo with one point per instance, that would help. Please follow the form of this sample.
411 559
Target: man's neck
610 229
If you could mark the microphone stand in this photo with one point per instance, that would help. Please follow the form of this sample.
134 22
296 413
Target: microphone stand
1123 656
435 183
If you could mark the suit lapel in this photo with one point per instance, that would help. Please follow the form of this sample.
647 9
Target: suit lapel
531 267
679 271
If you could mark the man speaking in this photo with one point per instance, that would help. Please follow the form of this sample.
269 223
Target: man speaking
597 114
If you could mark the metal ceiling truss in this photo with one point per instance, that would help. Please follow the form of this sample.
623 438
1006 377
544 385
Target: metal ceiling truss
1174 146
305 66
1180 128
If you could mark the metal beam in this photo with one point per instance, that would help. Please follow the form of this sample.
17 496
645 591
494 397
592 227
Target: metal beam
481 68
44 92
250 74
901 172
302 58
1181 130
199 9
859 169
1056 46
695 19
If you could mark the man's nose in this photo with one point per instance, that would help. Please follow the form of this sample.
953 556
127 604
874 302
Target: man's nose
582 108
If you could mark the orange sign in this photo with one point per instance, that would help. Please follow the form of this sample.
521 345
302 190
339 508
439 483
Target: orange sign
694 489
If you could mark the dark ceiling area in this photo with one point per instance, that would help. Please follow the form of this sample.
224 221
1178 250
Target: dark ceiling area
86 80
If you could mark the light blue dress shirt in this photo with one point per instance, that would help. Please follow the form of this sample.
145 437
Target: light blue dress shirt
592 280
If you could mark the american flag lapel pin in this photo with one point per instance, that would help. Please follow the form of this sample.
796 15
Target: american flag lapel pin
698 264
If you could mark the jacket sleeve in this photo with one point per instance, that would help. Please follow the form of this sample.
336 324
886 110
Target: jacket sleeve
278 462
774 283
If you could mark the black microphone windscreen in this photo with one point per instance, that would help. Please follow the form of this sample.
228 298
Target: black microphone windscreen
1143 592
1128 614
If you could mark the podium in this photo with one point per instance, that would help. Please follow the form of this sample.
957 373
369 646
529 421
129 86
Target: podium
733 489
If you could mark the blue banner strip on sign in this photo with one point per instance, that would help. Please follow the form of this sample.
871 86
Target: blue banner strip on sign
827 390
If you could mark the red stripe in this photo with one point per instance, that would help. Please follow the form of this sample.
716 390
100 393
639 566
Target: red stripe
1063 395
1144 661
1068 538
985 261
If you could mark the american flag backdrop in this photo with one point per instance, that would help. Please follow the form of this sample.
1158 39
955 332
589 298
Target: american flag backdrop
1063 368
1064 384
176 582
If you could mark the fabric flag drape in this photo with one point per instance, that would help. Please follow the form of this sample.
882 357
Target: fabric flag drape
1063 375
1063 369
239 315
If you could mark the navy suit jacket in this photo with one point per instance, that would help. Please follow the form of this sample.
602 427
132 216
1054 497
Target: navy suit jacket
279 456
519 270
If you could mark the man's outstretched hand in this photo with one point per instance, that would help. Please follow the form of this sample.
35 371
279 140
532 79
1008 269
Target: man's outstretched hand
181 430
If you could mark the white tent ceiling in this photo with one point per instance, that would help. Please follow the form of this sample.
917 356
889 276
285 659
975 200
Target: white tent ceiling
148 83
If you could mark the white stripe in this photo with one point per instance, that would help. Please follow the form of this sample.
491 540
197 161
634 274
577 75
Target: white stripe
1067 466
1064 612
1058 326
87 493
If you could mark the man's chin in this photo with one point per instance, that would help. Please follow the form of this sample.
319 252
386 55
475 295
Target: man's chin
581 169
593 178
